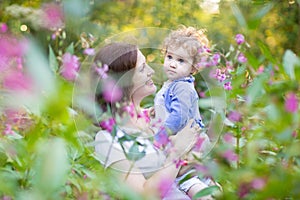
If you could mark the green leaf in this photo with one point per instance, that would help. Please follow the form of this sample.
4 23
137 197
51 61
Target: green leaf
206 191
266 51
70 48
52 60
265 10
290 60
256 89
51 168
238 15
134 153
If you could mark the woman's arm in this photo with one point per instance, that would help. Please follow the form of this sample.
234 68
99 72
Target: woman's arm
183 142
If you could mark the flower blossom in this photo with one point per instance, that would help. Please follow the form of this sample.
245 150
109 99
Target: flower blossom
227 86
70 66
89 51
240 39
291 103
234 116
144 115
52 17
3 28
102 71
111 91
108 124
161 139
241 58
17 80
230 155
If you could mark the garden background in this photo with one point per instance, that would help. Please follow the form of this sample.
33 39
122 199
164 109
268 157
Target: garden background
45 142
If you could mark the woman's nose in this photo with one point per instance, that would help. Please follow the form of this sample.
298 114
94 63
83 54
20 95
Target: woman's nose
150 71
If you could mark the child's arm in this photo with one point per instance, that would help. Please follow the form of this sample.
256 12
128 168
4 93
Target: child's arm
179 106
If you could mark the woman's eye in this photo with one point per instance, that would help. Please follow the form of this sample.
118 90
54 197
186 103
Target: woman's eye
143 67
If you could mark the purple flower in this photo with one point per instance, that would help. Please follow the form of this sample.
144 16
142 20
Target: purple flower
3 27
234 116
89 51
70 66
240 39
215 59
227 86
53 17
241 58
291 103
111 92
108 124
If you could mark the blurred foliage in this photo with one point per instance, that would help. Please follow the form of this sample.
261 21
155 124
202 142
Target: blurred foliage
48 157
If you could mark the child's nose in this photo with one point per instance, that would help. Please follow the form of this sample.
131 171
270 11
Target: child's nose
173 64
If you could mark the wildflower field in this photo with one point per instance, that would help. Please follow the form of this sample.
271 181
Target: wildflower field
249 91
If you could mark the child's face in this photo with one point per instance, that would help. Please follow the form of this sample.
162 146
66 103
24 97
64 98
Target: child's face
178 63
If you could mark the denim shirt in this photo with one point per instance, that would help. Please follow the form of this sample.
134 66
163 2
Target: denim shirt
181 102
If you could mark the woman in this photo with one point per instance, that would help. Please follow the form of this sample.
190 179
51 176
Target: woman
143 167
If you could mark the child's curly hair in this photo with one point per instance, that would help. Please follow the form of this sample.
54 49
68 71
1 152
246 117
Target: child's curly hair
189 38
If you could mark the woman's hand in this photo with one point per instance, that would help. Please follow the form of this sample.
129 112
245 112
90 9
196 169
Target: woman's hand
185 139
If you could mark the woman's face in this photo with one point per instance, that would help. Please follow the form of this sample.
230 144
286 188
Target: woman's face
143 85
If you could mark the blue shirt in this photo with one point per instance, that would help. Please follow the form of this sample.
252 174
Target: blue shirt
181 104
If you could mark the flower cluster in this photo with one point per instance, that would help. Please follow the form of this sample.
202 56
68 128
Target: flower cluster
223 64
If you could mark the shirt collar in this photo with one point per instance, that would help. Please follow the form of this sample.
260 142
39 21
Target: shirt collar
189 79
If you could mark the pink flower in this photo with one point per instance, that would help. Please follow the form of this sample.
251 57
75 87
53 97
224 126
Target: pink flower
3 27
240 39
260 69
129 109
180 163
291 103
161 139
102 71
258 183
111 91
229 138
144 115
164 186
230 155
89 51
52 16
234 116
227 86
241 58
199 143
8 130
70 66
17 80
108 124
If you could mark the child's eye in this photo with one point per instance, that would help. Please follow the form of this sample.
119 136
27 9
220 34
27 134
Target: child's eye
169 57
181 60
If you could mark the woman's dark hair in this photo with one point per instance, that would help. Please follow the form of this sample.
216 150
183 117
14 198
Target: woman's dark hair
121 59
